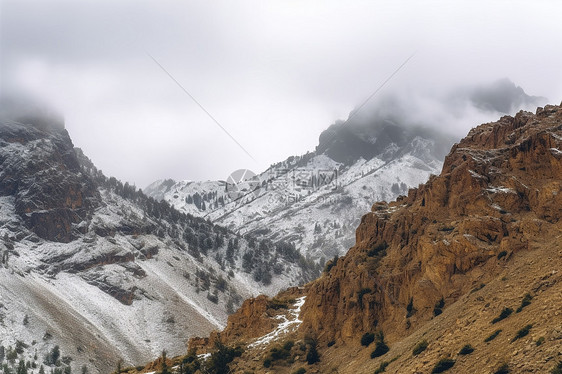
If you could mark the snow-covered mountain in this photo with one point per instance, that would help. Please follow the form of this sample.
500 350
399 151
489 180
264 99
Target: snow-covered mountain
315 201
98 269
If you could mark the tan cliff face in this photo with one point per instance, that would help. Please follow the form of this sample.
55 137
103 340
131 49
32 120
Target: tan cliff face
483 233
498 187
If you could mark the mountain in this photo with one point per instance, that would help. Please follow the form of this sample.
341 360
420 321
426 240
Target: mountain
462 273
315 200
104 273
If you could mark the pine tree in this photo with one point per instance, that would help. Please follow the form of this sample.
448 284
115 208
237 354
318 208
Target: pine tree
21 368
164 364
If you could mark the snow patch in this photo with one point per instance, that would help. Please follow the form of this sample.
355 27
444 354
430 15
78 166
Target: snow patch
284 326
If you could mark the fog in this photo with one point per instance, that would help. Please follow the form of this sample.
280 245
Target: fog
274 74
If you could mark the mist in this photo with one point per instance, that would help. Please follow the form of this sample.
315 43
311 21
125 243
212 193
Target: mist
273 74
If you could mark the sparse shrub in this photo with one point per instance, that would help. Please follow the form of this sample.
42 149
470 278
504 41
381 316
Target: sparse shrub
438 309
278 304
330 264
312 356
213 298
367 339
410 308
502 254
539 341
299 371
443 365
380 346
522 333
288 345
492 336
379 249
219 361
466 350
420 347
502 369
267 363
382 367
557 369
526 301
506 312
331 343
384 364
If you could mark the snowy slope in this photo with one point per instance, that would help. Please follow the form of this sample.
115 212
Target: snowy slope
312 200
97 268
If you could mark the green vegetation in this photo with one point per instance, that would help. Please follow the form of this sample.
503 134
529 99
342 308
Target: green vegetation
312 356
438 309
279 304
420 347
380 346
379 249
220 358
384 364
278 353
164 364
522 333
526 301
443 365
503 369
466 350
330 264
539 341
367 339
410 311
506 312
382 367
493 336
502 254
189 364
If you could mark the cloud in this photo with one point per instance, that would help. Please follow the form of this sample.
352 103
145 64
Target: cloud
274 74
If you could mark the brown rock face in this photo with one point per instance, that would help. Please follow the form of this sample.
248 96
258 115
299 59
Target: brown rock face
255 318
498 186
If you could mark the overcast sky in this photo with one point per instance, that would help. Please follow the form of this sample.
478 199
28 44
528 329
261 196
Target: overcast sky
274 74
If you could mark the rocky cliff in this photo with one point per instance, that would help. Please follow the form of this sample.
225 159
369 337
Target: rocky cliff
493 213
39 167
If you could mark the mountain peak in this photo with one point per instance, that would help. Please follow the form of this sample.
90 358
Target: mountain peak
496 204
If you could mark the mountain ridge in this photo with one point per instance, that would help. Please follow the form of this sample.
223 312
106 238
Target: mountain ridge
436 252
87 259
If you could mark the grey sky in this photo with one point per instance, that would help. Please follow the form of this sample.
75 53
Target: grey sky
273 73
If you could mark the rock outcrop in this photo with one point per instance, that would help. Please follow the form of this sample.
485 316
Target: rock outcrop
497 187
498 197
39 167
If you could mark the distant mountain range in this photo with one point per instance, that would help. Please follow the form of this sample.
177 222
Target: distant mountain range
462 275
315 200
104 272
94 271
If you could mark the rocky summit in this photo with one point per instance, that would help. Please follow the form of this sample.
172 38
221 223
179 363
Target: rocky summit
52 195
462 274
